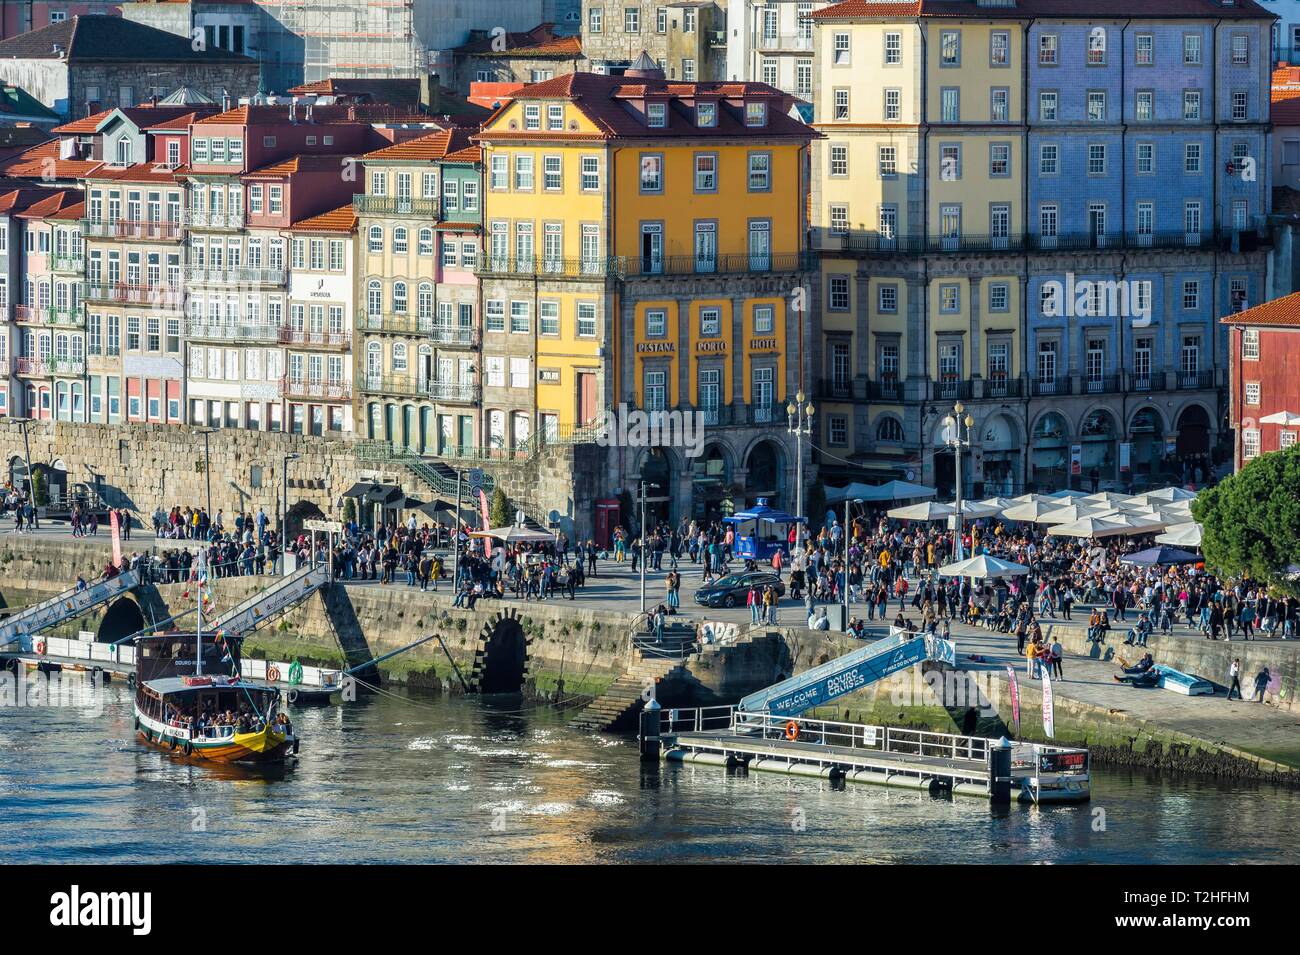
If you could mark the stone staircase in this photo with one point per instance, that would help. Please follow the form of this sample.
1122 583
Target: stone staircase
618 706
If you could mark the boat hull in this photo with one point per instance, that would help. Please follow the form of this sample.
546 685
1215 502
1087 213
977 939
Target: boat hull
264 747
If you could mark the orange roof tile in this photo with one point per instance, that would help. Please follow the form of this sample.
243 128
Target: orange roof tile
43 161
1284 311
139 172
307 162
51 204
450 143
83 126
342 219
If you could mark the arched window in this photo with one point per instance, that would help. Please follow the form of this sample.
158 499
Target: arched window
889 431
424 302
374 298
400 246
426 242
123 157
376 242
374 362
399 298
399 356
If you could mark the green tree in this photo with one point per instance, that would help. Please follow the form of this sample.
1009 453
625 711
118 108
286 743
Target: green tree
40 489
1251 520
500 509
349 509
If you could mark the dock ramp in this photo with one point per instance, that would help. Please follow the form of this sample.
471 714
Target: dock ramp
853 671
66 606
279 598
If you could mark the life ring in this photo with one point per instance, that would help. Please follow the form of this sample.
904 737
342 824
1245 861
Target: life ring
40 647
189 748
172 741
792 731
273 675
293 696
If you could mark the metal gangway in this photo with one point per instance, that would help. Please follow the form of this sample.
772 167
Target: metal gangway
266 605
853 671
18 628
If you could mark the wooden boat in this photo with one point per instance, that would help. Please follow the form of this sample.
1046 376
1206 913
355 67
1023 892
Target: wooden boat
185 681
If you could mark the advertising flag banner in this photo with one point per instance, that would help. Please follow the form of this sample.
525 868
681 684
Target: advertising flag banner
1014 688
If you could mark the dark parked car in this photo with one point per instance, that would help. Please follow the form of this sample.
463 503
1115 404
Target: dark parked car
732 590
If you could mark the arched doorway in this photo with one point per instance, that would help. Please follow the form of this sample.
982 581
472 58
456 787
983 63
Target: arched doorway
765 474
299 512
501 661
1098 448
999 440
711 485
1049 450
1147 436
122 618
1193 431
657 473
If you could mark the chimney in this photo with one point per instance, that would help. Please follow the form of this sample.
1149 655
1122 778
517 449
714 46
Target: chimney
293 110
309 110
225 100
430 92
153 100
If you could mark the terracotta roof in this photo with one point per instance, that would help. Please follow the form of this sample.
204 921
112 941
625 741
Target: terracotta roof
84 126
15 200
182 121
540 42
71 213
51 204
1285 109
35 163
394 92
1284 311
332 114
600 97
138 172
1044 9
342 219
451 143
303 163
97 37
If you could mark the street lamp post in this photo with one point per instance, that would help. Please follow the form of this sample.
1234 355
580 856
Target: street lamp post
284 513
645 486
847 535
959 439
801 419
207 469
27 463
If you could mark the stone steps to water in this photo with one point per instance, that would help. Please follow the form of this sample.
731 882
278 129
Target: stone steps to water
626 695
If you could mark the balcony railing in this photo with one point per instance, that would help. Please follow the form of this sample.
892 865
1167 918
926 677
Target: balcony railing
1100 384
393 206
303 336
308 388
454 391
201 218
66 366
234 333
539 267
156 296
732 264
1195 380
885 244
33 366
949 389
836 388
68 263
161 230
1148 382
888 389
1001 386
240 276
31 313
1046 387
786 42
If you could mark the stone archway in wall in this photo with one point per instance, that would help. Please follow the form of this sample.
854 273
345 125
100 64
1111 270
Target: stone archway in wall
122 618
765 474
658 466
299 512
501 657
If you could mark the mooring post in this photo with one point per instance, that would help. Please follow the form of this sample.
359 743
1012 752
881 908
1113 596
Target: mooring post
648 737
1000 771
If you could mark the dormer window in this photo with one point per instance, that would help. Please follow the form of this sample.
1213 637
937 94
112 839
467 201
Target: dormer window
706 115
755 114
532 116
656 115
123 155
555 116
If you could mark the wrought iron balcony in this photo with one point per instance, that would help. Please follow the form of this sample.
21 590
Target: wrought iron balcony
643 266
202 331
393 206
161 230
37 367
66 366
458 392
556 268
1100 384
309 388
1046 387
203 219
1195 380
952 389
321 339
237 276
155 296
1003 386
1148 382
876 243
887 389
68 263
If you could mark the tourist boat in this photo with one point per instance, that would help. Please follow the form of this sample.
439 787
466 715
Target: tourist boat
182 674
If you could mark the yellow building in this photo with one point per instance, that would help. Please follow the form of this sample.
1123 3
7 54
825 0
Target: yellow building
917 211
645 249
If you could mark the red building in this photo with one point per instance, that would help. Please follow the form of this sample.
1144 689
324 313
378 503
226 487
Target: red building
21 16
1264 386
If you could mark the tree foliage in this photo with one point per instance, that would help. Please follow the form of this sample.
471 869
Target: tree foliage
500 509
40 489
1251 520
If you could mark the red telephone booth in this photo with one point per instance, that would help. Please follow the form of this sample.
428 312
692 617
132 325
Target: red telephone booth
607 518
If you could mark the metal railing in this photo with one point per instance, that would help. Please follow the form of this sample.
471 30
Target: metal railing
214 220
875 242
33 366
1043 387
157 296
1195 380
558 268
234 333
949 389
1100 384
1003 386
424 325
728 264
237 276
309 388
393 206
68 263
1149 382
321 339
160 229
454 391
886 390
67 366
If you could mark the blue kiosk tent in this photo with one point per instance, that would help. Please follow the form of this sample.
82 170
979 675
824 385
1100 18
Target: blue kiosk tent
761 531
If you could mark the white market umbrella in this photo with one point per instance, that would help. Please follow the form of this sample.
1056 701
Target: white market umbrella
1171 495
1032 511
1000 503
928 511
514 535
1093 527
973 509
1280 417
897 491
1066 493
1181 535
1103 498
1073 512
982 566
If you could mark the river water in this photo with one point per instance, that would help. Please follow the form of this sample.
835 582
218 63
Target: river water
425 779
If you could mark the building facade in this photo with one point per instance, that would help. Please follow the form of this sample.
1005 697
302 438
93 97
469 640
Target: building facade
1078 325
687 39
1264 384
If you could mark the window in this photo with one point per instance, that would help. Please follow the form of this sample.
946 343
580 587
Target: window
841 104
661 19
839 218
1096 106
520 317
495 315
652 172
590 173
1097 46
523 173
999 159
1047 105
710 321
950 162
949 299
1250 344
1144 106
893 48
1145 49
1240 106
950 104
764 319
1192 49
1048 45
706 115
1048 154
999 48
656 115
1251 393
838 432
688 70
888 161
631 20
838 293
887 298
1192 105
999 104
756 114
552 173
803 71
1192 158
1240 49
500 176
1191 294
950 48
999 297
760 169
841 51
586 319
1146 157
595 19
655 323
706 172
1250 443
1096 159
548 318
